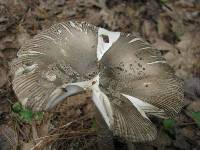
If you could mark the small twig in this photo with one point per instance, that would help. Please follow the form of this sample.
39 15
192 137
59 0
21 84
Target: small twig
69 123
72 132
187 123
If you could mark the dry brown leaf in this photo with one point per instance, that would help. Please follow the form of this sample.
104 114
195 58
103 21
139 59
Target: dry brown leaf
149 30
194 106
3 76
27 146
10 136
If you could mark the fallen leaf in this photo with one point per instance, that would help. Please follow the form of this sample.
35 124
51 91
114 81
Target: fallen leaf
3 76
9 136
27 146
194 106
195 116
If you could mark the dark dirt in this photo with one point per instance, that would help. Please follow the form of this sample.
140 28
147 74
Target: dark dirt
171 26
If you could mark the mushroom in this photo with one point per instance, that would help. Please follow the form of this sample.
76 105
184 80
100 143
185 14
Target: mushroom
129 79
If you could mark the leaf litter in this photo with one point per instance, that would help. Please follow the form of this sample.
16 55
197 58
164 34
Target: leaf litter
171 26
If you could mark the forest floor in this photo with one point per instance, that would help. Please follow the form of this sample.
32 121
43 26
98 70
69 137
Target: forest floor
170 26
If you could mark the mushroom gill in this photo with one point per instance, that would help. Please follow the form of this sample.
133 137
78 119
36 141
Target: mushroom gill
129 79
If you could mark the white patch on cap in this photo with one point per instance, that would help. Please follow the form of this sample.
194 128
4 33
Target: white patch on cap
135 39
102 46
148 47
29 53
143 107
24 101
128 35
50 76
103 104
21 70
155 62
59 32
72 24
35 52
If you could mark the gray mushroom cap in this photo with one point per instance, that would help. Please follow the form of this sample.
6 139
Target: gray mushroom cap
129 79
